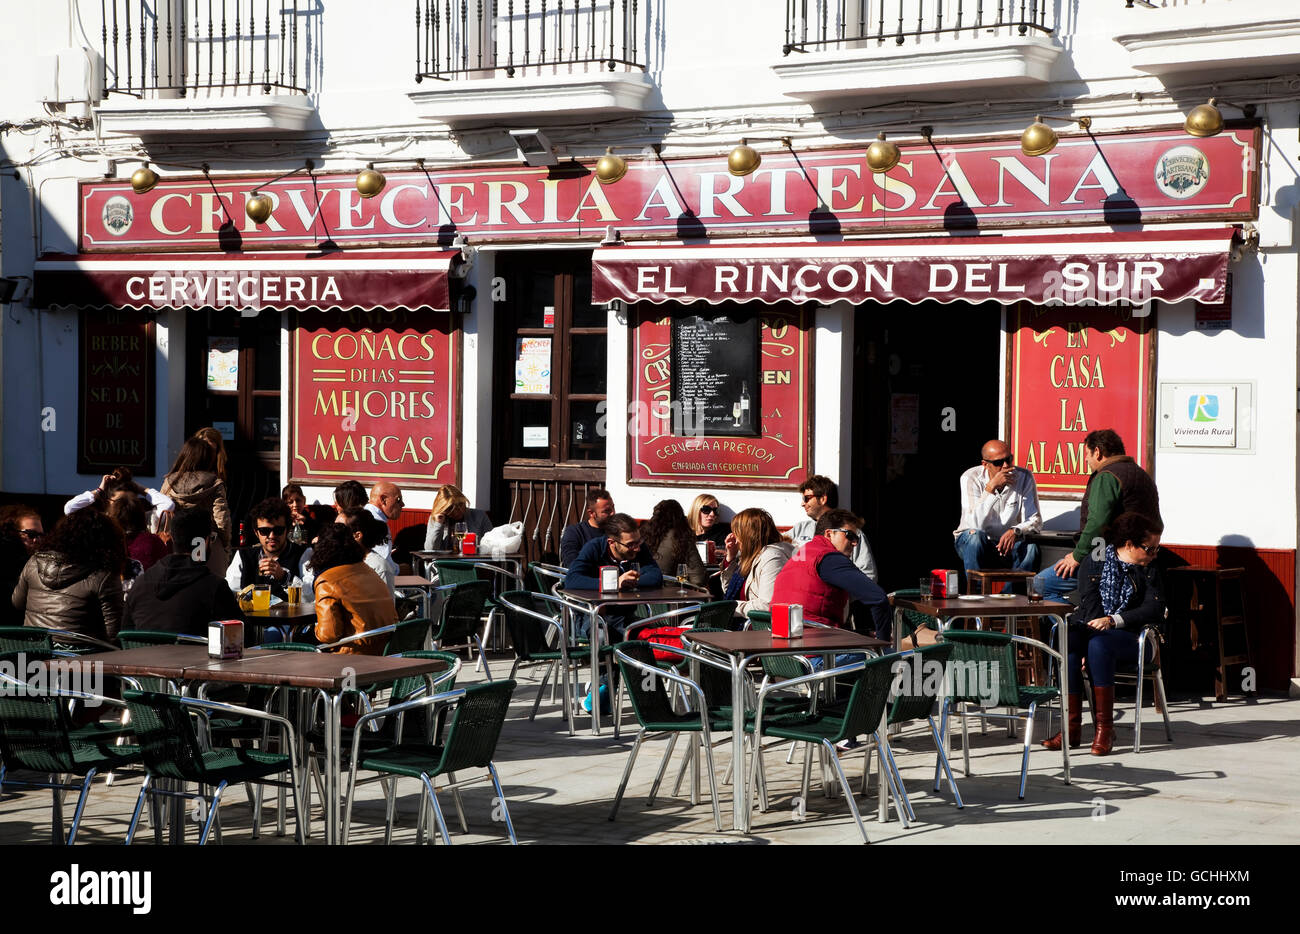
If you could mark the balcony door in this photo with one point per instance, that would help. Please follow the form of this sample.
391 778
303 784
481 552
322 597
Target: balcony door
549 446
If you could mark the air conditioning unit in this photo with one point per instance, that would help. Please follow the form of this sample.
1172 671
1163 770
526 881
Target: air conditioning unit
70 76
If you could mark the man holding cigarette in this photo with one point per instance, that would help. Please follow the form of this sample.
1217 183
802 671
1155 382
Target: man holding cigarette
999 506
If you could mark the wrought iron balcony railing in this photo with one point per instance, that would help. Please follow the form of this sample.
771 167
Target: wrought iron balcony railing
182 47
817 25
489 38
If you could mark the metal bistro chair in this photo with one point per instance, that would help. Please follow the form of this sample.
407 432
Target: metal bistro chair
1152 636
478 714
861 714
546 577
981 662
538 632
457 624
37 735
451 571
653 706
13 638
164 726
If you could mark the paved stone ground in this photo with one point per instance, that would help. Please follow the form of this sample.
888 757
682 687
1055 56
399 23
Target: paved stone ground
1229 777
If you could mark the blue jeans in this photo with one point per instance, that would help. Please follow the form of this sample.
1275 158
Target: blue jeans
818 662
979 550
1053 586
1103 648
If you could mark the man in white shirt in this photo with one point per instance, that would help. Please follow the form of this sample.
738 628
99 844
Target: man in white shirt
385 503
999 506
818 495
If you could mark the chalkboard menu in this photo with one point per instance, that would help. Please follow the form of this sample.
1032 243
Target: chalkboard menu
715 376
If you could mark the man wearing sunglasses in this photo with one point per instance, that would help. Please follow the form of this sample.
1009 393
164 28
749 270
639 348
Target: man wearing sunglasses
822 578
818 495
999 507
274 560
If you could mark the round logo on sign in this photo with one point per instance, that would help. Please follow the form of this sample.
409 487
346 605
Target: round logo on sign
118 215
1182 172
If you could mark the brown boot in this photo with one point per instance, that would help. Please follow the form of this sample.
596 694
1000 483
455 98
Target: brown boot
1075 725
1103 715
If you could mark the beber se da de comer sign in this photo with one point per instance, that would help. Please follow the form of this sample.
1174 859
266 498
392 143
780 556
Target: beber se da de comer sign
1155 175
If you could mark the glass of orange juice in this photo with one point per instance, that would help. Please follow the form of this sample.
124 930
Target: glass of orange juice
261 598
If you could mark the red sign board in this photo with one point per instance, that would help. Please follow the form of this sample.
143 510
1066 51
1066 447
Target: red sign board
115 421
1121 178
376 396
1069 270
1072 371
780 451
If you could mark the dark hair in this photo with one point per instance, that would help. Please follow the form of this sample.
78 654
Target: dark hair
129 509
270 508
373 532
188 523
1105 440
1132 527
196 456
120 479
10 516
350 495
837 519
292 488
667 519
335 546
819 486
618 524
594 497
90 539
13 555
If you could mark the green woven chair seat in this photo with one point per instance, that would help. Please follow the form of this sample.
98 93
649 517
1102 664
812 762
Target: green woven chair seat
239 764
802 726
101 756
1037 694
99 732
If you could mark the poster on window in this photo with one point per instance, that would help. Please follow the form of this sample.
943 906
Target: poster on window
1072 371
223 364
533 365
669 445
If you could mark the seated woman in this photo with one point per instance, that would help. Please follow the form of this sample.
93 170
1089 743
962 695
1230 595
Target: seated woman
754 555
706 521
350 597
451 506
1118 595
129 506
75 581
370 532
303 525
671 543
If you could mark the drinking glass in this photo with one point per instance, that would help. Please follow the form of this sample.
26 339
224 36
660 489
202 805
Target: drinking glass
927 588
261 597
459 532
681 578
1034 590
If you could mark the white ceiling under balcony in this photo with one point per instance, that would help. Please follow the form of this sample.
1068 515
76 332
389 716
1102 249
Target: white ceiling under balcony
1235 36
252 114
590 93
932 63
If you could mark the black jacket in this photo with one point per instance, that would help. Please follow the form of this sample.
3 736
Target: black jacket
1146 606
179 595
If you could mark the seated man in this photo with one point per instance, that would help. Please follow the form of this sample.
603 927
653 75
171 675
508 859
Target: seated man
818 494
822 577
276 560
620 545
598 507
386 504
179 593
999 506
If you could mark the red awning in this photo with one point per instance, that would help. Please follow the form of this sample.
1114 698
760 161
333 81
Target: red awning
1070 269
344 279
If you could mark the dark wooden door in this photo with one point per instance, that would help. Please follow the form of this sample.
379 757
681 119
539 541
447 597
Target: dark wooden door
550 392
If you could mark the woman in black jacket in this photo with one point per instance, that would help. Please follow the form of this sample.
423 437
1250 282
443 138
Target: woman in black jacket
1119 594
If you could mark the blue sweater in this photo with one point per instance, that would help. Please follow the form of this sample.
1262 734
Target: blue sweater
584 572
574 537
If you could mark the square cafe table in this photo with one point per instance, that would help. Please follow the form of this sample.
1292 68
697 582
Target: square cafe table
946 610
597 601
329 674
742 648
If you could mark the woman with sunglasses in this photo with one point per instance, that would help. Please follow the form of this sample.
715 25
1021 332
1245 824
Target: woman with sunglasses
1119 594
755 554
706 521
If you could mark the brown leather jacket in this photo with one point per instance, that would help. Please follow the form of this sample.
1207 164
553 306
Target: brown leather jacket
204 488
350 599
58 595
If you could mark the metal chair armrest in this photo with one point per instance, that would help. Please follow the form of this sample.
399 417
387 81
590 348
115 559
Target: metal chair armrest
356 637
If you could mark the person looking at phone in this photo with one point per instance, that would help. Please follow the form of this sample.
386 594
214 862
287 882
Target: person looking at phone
999 507
622 547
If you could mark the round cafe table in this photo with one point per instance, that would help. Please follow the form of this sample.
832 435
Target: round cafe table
283 616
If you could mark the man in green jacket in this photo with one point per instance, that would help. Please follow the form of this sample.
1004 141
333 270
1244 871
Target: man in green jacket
1118 484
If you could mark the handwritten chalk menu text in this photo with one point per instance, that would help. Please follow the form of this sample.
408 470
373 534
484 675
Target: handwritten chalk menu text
115 417
715 376
679 361
376 396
